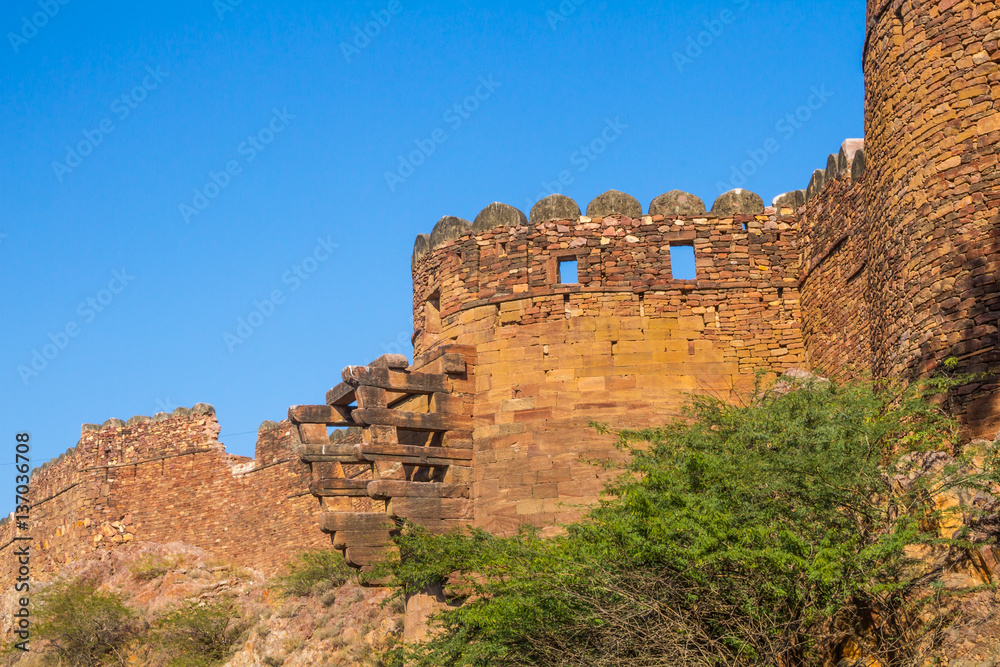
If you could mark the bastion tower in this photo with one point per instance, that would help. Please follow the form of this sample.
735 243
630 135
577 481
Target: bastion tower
932 130
575 318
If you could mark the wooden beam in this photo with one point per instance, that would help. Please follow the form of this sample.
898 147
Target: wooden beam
318 414
384 378
383 489
362 556
337 488
339 452
344 539
396 361
431 508
390 452
415 421
332 522
342 394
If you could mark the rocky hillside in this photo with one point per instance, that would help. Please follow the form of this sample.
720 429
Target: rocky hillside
340 625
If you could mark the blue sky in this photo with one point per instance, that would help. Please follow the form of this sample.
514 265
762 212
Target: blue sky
168 170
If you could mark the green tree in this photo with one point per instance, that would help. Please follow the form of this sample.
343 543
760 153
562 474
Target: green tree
760 534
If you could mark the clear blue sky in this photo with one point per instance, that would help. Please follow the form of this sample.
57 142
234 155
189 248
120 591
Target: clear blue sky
286 118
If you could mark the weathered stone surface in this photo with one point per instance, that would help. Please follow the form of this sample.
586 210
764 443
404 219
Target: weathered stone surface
793 199
614 202
86 428
816 184
447 229
738 201
160 416
421 246
677 202
832 162
498 215
138 419
555 207
846 155
203 409
182 412
858 166
114 423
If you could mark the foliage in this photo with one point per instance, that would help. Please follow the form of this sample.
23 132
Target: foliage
314 570
760 534
84 626
200 634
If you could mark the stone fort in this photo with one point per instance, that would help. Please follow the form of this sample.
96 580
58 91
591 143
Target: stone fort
885 265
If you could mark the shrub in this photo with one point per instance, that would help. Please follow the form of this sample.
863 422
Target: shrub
745 535
312 570
201 634
85 626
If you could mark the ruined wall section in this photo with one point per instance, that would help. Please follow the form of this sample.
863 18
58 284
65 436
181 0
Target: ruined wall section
623 346
932 128
168 479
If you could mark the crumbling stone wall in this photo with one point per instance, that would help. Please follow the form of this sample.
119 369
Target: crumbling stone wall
168 479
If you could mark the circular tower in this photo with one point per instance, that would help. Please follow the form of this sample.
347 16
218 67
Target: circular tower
610 316
932 130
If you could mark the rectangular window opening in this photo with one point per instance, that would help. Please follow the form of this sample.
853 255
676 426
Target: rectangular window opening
502 248
568 272
682 265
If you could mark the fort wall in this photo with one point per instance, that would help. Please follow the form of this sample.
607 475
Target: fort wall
932 127
623 345
168 479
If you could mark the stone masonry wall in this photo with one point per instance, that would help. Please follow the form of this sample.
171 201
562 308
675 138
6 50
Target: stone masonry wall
834 277
622 347
168 479
932 129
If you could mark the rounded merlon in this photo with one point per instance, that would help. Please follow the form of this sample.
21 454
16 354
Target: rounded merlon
816 184
677 202
160 416
498 215
182 412
858 166
845 158
113 423
614 202
447 229
138 419
831 167
421 246
555 207
203 409
87 428
267 425
792 199
738 201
